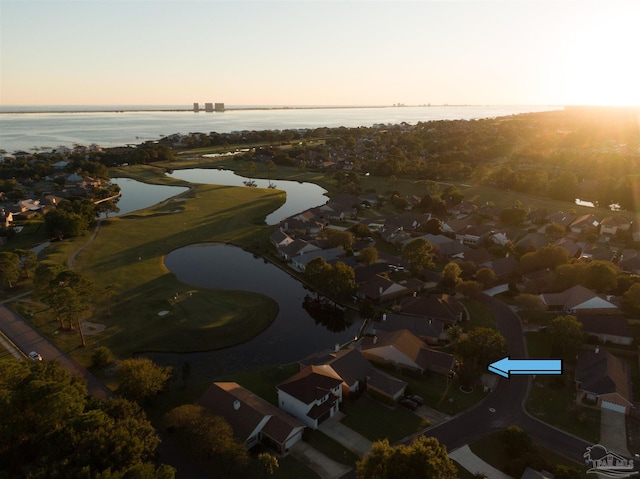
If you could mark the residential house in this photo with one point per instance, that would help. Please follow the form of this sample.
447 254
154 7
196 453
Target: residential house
604 379
481 257
405 350
380 289
6 217
597 251
630 261
474 234
607 328
430 331
312 395
532 242
445 248
357 373
24 206
561 218
299 262
295 248
578 299
440 307
367 272
585 224
505 269
280 239
574 250
612 224
253 420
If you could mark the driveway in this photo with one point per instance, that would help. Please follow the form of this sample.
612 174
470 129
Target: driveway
472 463
613 432
345 436
324 466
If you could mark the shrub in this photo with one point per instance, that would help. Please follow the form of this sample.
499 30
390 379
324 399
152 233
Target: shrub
102 357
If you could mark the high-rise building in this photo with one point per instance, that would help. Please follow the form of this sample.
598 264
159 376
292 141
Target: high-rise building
196 107
219 106
208 107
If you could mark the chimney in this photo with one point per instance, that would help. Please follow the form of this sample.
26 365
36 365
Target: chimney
236 404
375 340
597 349
380 289
336 348
384 316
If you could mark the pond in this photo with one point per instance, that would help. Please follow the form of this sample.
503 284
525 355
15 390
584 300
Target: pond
300 196
137 195
293 335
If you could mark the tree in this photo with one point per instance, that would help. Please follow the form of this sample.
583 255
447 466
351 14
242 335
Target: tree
9 268
600 275
555 231
565 333
268 463
360 230
432 226
337 238
565 187
51 427
468 289
419 254
513 216
479 348
548 257
368 255
64 224
139 379
529 302
486 276
631 301
208 436
450 275
71 294
425 457
517 442
102 357
341 281
28 260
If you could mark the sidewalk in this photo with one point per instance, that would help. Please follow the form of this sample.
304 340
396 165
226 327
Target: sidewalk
472 463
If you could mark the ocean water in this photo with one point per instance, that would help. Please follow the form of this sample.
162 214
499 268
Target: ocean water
30 128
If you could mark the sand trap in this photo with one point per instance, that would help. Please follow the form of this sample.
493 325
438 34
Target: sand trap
163 313
92 328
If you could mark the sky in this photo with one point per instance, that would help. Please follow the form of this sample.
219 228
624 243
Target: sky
328 52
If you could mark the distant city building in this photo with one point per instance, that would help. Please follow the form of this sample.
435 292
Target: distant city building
208 107
219 107
196 107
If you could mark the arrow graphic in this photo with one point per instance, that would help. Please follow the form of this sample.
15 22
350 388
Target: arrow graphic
506 366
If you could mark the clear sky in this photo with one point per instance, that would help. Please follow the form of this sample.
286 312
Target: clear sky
153 52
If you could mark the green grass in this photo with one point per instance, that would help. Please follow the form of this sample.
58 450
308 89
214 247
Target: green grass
130 251
491 449
481 317
463 473
538 345
330 447
553 400
439 393
375 421
291 468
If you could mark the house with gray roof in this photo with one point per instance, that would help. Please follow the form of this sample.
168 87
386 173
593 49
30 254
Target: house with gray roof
578 299
252 419
441 307
299 262
429 330
607 328
603 379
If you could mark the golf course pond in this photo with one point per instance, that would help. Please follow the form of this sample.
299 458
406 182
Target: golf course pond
300 195
294 333
136 195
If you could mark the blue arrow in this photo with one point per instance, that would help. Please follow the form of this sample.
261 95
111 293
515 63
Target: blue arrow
507 366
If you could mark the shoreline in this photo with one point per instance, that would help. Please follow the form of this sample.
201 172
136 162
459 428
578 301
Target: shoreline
240 108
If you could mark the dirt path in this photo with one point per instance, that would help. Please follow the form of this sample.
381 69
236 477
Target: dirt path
71 262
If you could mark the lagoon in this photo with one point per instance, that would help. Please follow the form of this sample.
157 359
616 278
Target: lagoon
300 196
293 335
137 195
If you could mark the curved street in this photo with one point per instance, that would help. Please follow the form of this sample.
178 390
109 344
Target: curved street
507 400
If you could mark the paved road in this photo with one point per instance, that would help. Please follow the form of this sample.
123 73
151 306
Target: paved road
28 339
507 401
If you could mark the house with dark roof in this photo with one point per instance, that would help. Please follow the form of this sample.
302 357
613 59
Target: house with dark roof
585 224
630 264
572 248
612 224
607 328
405 350
312 395
357 373
380 289
279 238
604 379
429 330
441 307
578 299
474 234
295 248
561 218
299 262
532 242
253 420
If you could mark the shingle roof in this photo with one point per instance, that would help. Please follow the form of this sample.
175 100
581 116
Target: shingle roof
220 399
436 306
602 373
605 324
310 384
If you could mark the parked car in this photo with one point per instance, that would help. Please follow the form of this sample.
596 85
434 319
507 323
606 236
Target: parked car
35 356
416 399
409 404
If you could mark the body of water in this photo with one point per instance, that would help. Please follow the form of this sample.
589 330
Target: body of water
300 196
25 131
293 335
137 195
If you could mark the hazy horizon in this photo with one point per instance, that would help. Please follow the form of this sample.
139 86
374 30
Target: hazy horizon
319 53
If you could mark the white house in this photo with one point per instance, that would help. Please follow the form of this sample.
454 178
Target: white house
312 396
